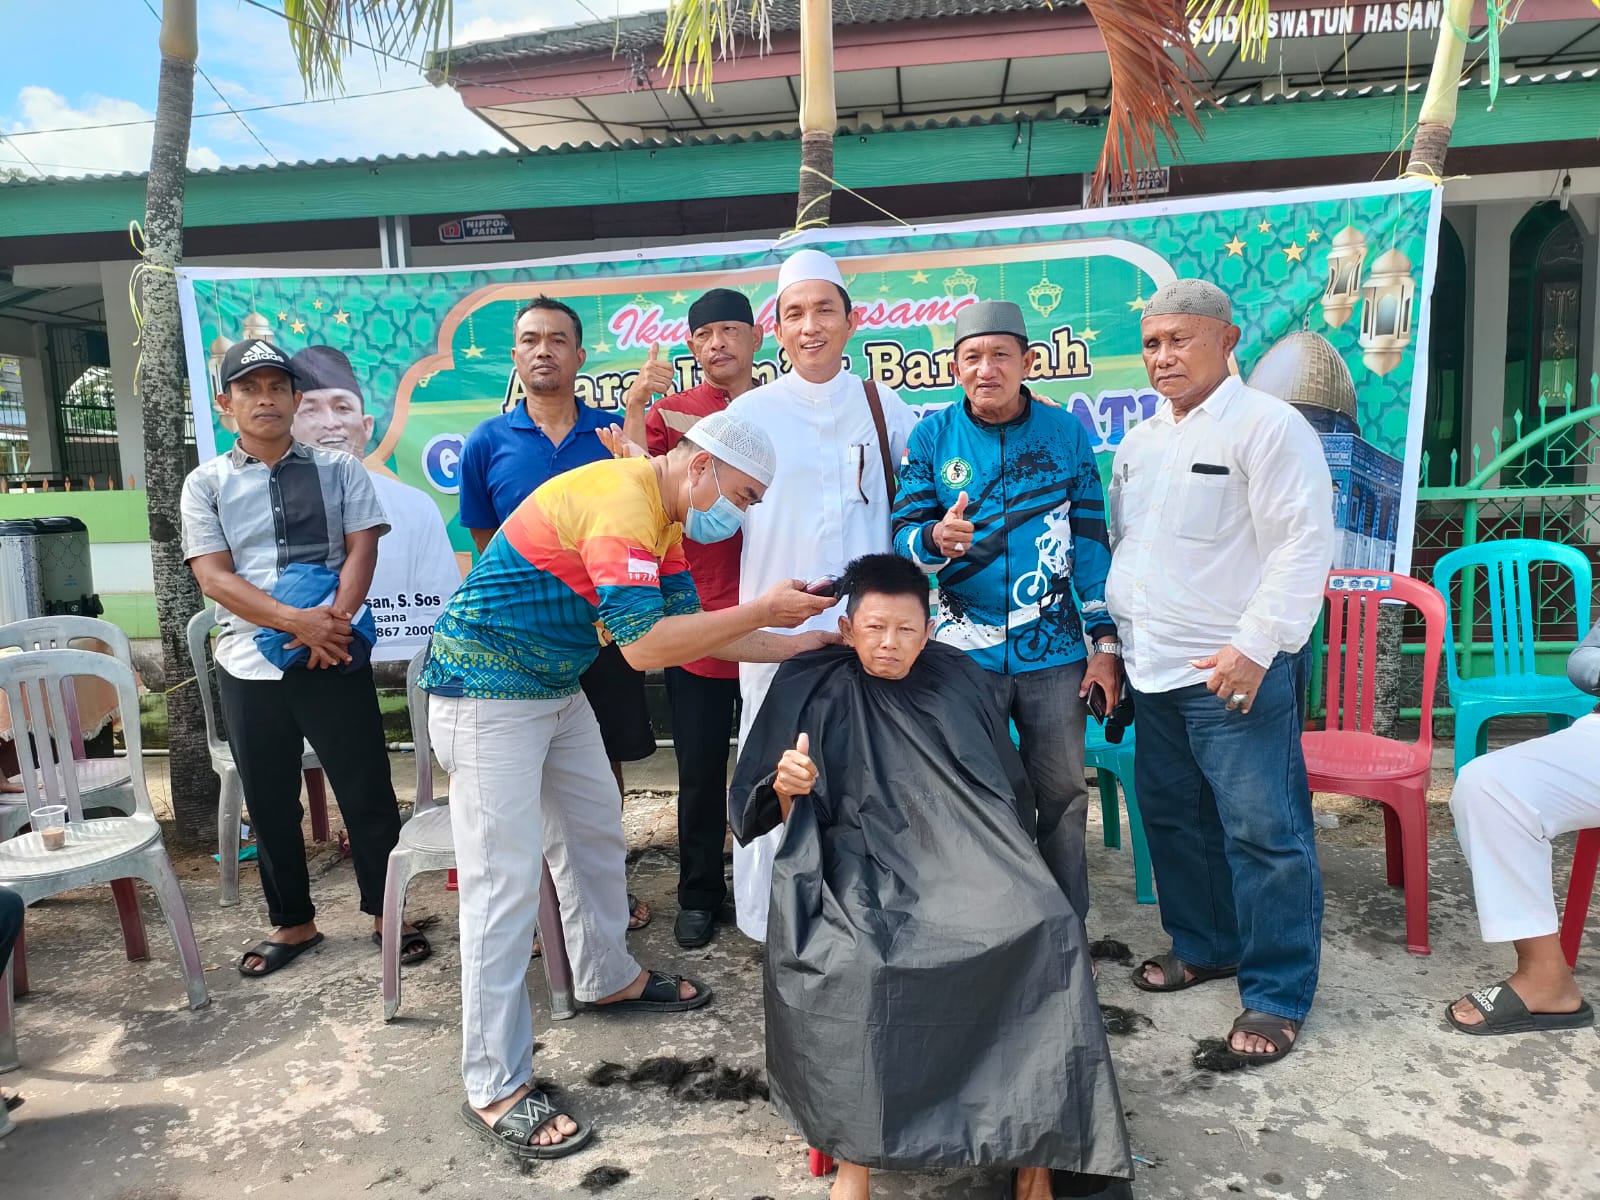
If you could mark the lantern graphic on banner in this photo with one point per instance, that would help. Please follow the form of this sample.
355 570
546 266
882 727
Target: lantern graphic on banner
1343 291
219 348
1386 312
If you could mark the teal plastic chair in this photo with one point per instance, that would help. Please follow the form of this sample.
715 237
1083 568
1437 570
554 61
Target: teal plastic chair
1113 762
1516 688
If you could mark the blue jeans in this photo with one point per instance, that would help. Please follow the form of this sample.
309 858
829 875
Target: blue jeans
1227 813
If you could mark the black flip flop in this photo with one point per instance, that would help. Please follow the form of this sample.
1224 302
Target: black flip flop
660 995
1505 1012
414 947
521 1123
15 1101
275 955
1264 1025
1176 972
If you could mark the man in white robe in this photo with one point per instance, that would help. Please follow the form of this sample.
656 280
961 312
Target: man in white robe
829 502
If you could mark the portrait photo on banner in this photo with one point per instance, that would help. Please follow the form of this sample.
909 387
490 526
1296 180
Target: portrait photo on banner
1330 288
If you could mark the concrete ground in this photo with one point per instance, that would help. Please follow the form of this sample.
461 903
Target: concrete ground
293 1087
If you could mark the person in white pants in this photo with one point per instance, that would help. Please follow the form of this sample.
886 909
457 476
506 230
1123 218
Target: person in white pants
599 547
1508 806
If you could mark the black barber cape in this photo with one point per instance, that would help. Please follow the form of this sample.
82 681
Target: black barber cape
928 992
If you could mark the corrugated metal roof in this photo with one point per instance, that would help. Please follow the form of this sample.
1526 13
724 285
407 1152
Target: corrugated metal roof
1242 100
644 30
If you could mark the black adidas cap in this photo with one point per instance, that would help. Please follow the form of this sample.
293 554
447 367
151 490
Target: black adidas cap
251 355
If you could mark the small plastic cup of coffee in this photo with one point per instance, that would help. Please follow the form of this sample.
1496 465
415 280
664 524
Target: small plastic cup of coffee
50 823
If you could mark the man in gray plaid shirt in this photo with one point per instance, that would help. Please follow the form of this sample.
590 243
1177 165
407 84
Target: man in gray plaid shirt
248 515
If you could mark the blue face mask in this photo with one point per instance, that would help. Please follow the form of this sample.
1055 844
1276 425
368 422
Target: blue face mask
715 524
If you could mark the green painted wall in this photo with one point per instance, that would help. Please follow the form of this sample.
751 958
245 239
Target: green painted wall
1375 124
110 516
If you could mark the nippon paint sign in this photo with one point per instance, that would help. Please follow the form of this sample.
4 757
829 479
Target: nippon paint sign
488 227
1334 20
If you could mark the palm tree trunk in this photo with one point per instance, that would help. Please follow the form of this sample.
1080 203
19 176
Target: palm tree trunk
818 118
161 385
1428 151
1438 116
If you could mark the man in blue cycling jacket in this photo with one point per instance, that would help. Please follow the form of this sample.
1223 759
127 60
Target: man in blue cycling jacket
1000 501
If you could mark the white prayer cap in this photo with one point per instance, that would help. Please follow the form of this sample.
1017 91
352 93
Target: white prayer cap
740 443
1190 298
808 264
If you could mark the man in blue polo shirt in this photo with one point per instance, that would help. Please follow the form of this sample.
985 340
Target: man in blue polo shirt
507 457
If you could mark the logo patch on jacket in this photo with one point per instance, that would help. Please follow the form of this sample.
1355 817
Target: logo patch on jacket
956 472
642 567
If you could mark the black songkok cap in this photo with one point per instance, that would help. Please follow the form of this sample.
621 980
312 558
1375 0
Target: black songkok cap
720 304
322 367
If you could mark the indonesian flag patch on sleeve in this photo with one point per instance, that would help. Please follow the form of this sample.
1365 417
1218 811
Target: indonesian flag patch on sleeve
642 567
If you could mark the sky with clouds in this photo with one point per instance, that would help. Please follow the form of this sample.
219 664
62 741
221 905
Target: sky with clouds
59 83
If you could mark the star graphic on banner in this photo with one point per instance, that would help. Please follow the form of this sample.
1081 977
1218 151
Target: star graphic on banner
1264 227
317 304
919 277
679 297
883 287
601 347
1314 235
1234 248
1294 252
283 316
1138 305
341 317
1089 335
298 327
473 352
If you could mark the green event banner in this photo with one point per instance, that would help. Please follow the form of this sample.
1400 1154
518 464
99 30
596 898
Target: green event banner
1330 289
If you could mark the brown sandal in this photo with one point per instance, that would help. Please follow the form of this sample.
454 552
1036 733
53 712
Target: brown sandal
1282 1032
1176 972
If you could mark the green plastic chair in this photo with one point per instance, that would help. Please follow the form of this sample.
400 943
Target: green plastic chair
1516 688
1113 762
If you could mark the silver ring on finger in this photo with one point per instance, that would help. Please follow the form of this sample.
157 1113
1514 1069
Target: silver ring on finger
1238 700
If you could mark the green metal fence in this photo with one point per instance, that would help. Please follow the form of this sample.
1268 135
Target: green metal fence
1521 492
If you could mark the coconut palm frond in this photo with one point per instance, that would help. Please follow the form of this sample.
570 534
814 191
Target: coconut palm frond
702 31
1146 82
1243 21
323 33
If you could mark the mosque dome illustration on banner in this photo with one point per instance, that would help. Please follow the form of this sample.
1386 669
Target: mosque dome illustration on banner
1309 373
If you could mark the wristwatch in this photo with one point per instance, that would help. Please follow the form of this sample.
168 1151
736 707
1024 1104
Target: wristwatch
1112 648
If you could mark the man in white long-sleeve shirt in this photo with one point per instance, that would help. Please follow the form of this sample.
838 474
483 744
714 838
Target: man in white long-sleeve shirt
1222 536
829 502
1508 805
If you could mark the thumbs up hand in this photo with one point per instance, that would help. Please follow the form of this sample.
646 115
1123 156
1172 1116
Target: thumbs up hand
797 774
953 534
655 378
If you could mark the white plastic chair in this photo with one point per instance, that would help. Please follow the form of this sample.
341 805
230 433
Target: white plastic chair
230 803
104 782
426 844
107 850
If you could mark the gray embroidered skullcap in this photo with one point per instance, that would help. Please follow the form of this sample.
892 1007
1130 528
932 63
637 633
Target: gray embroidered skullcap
990 316
1190 298
737 441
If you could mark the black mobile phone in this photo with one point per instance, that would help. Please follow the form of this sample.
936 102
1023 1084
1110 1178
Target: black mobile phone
1209 469
1097 702
826 586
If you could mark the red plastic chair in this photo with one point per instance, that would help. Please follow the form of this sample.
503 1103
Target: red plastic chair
1579 889
1349 759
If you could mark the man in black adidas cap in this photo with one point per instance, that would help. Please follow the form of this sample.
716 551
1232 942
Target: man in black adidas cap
270 508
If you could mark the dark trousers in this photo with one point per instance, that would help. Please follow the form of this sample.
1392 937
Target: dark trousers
702 723
1049 716
1227 811
11 908
338 714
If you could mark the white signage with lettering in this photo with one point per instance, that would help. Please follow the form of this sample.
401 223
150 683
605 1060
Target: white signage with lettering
1334 20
